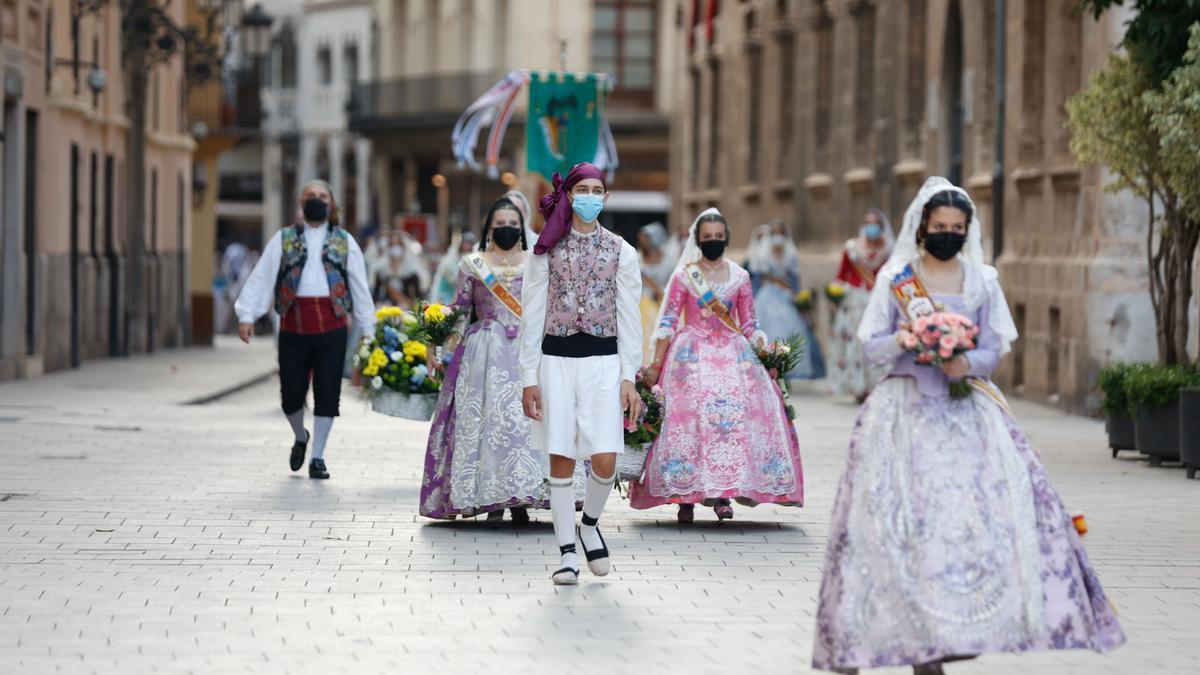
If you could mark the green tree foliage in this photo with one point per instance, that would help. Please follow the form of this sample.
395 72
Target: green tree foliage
1147 133
1157 35
1110 125
1176 118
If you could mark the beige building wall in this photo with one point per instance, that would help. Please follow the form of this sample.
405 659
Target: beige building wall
77 266
815 110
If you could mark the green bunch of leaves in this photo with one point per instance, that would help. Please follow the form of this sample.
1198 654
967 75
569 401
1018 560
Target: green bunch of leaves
1154 386
1157 34
1110 123
1175 116
649 424
782 355
1112 385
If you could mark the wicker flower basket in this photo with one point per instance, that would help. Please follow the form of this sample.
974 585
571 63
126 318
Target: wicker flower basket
418 407
632 463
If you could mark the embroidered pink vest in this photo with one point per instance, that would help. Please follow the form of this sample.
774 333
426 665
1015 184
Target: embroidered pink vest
583 285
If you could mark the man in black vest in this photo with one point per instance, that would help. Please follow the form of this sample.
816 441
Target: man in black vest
314 276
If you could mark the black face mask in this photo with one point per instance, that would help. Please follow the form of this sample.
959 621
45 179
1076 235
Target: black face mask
315 210
506 237
713 248
944 245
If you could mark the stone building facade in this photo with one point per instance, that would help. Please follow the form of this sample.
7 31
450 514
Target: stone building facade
63 288
815 110
321 49
435 57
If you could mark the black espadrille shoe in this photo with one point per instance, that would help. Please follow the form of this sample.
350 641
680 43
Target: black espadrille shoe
566 575
316 469
298 450
597 558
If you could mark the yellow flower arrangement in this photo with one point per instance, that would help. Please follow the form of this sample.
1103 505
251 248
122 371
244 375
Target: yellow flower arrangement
389 312
436 312
835 291
414 350
375 361
803 300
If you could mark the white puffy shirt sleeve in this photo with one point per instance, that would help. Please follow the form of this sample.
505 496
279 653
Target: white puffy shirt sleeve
629 316
258 293
360 291
534 287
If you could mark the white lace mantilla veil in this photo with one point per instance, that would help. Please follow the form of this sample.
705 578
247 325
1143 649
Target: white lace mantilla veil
755 262
980 281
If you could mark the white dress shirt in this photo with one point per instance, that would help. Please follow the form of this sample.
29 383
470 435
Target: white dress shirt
258 295
534 289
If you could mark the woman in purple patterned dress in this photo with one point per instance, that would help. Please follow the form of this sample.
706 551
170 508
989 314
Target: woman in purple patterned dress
948 539
479 458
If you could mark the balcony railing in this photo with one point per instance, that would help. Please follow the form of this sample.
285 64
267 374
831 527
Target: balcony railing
416 102
207 103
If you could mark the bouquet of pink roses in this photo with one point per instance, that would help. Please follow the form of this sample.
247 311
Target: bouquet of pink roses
939 338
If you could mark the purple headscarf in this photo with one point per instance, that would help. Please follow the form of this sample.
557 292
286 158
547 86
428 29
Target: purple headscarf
556 208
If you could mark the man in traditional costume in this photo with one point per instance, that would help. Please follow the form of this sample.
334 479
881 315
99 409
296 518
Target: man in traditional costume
314 296
581 345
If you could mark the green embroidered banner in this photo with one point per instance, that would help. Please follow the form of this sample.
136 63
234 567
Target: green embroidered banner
563 127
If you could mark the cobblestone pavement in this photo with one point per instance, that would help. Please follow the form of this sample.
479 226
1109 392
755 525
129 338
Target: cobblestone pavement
138 534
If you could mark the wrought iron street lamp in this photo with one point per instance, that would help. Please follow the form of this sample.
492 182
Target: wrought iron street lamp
256 32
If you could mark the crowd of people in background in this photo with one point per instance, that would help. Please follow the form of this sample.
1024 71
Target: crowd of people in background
402 271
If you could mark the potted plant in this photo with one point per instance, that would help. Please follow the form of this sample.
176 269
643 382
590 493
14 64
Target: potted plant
1153 396
1189 428
1117 419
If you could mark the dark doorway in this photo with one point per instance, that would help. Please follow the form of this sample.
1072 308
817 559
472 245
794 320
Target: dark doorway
953 111
150 293
74 255
183 337
94 290
31 166
114 264
93 210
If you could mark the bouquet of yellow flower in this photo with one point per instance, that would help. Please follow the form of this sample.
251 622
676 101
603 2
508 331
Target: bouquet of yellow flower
835 291
803 300
393 369
435 323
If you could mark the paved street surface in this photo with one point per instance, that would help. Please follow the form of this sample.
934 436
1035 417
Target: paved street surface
138 533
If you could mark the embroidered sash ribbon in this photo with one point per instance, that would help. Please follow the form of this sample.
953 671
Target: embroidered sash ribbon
708 298
477 266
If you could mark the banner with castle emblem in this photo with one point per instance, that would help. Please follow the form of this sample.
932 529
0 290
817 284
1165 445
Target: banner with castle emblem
566 124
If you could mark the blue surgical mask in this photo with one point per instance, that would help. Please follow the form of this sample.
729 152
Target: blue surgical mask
588 207
872 230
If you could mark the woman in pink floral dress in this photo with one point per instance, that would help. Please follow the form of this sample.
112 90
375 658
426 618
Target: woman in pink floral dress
725 433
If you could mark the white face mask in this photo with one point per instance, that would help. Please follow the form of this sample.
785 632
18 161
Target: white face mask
396 251
778 239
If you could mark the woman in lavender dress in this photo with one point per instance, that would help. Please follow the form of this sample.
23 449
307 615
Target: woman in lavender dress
948 539
479 458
